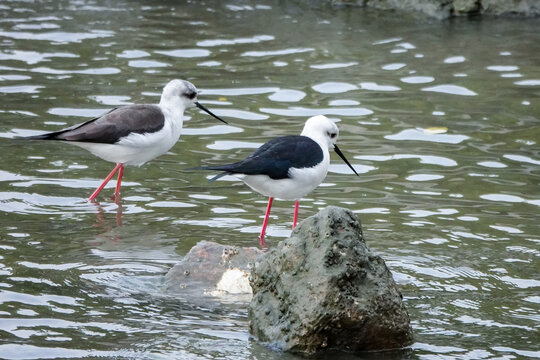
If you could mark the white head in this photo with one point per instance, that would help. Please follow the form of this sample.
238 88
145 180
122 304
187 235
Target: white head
325 132
179 92
322 130
182 94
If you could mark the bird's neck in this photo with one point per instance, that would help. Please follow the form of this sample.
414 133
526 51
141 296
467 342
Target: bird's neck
318 139
171 102
174 108
174 113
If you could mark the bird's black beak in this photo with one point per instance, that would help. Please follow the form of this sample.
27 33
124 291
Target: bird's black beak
200 106
336 149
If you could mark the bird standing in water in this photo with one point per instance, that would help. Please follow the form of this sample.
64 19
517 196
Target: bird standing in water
133 134
288 167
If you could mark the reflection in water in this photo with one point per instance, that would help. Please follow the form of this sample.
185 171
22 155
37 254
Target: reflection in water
376 87
416 134
277 52
101 213
444 134
451 89
305 112
221 42
334 87
333 65
417 79
57 37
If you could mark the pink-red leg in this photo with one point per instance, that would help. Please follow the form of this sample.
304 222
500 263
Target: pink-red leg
295 217
107 179
265 222
119 181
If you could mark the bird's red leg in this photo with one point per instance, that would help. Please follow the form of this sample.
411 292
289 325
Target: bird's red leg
107 179
265 222
295 217
119 180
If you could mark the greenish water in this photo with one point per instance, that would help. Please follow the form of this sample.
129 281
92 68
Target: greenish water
455 214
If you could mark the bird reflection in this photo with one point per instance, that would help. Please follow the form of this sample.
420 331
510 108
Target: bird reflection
101 215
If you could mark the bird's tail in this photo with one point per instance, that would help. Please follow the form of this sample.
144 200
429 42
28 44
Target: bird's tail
55 135
224 168
47 136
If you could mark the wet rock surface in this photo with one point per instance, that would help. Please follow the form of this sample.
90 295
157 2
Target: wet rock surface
322 288
443 9
210 267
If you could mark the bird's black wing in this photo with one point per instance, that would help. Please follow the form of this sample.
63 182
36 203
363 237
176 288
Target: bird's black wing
112 126
276 157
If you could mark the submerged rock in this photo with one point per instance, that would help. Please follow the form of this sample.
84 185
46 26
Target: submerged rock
323 289
212 268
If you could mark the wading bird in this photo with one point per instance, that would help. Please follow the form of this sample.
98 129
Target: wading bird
133 134
288 167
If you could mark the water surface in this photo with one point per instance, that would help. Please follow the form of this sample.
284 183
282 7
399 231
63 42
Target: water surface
440 120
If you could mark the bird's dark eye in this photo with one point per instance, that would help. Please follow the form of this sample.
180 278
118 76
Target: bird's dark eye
190 95
332 135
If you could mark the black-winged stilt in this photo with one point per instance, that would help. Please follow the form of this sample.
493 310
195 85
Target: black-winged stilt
133 134
288 167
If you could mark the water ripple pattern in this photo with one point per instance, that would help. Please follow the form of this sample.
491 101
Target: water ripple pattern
441 121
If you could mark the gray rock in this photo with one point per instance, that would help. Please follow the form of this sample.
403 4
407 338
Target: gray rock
443 9
212 268
466 7
322 288
440 9
511 7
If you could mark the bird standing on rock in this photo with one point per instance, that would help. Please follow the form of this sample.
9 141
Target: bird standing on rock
133 134
288 167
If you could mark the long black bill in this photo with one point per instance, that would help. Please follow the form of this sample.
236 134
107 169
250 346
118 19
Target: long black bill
336 149
199 105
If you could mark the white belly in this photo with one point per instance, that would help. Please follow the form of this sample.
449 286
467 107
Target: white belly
301 182
135 149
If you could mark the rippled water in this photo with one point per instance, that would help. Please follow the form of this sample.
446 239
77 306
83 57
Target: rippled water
440 119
